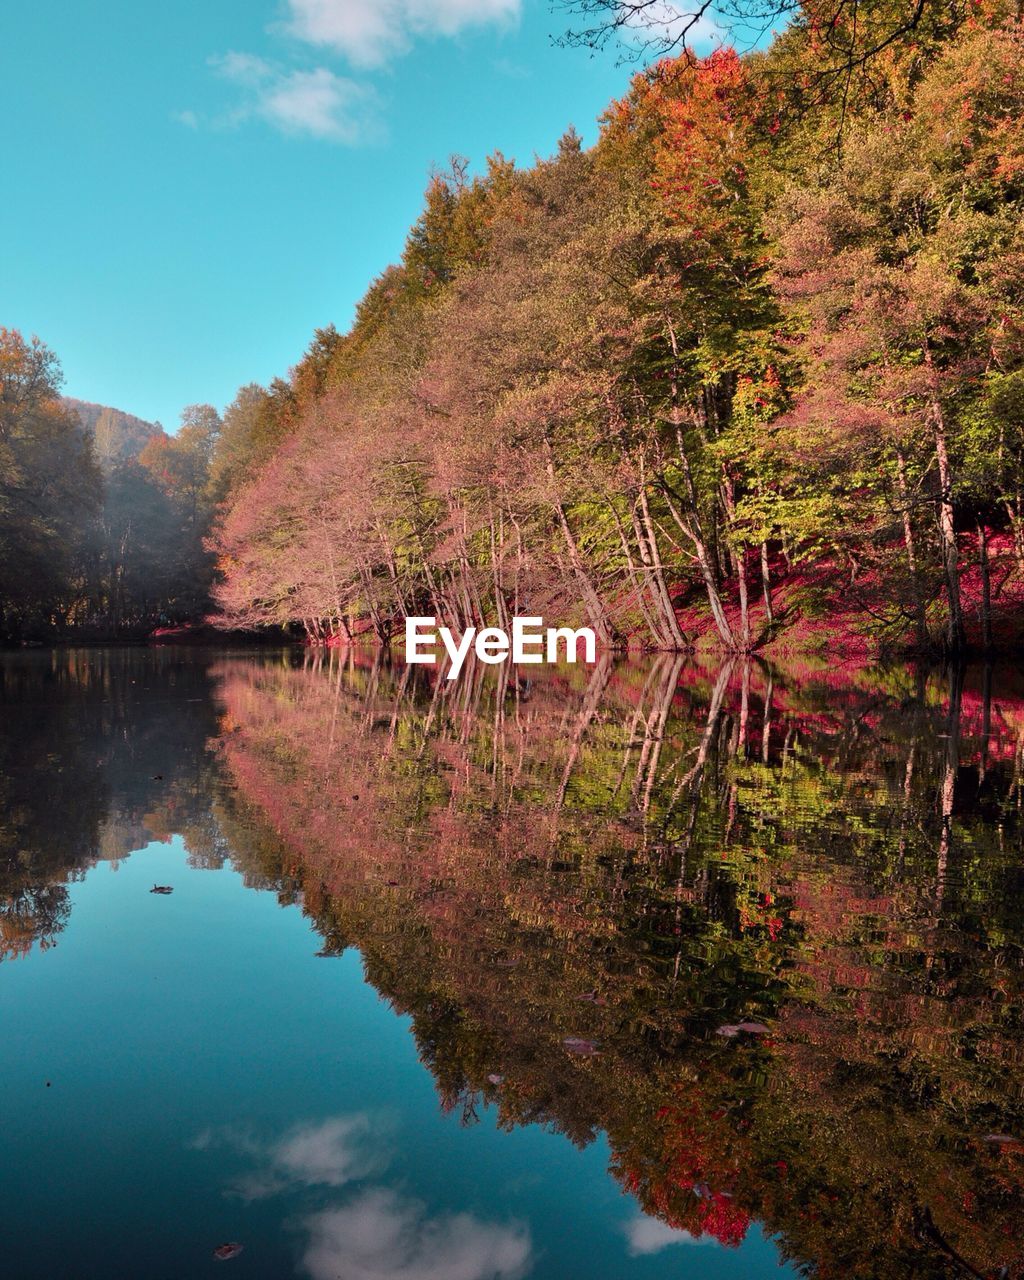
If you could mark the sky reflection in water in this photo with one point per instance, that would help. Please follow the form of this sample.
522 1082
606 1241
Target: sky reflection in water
502 1028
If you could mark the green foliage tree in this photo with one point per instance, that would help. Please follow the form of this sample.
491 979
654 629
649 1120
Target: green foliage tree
50 488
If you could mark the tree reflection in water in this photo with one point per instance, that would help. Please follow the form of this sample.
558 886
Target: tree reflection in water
761 927
645 855
85 741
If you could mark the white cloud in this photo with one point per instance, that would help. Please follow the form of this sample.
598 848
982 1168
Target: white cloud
188 118
371 32
317 103
384 1236
666 22
243 68
328 1153
331 1153
648 1235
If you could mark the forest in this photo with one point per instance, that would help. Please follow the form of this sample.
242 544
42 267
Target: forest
104 518
748 372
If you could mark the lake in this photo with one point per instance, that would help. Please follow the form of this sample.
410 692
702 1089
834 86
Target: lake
646 969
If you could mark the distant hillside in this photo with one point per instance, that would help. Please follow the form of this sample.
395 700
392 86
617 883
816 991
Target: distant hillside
117 435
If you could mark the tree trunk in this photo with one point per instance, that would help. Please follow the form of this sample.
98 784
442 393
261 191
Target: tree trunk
591 600
947 529
662 593
497 554
766 586
703 559
739 559
908 541
986 588
639 588
741 578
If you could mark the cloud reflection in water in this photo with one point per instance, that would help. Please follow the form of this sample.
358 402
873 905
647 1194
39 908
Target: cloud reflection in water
379 1233
382 1235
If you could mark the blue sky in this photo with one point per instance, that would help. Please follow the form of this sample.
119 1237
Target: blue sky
190 188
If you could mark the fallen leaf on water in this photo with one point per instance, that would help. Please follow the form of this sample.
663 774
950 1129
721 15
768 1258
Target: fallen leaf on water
225 1252
751 1028
584 1048
162 888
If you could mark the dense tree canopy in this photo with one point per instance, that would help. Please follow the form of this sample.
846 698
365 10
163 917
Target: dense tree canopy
713 375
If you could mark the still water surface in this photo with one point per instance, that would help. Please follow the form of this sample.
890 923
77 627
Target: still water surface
647 970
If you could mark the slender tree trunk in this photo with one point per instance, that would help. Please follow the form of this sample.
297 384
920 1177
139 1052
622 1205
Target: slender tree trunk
591 600
469 577
703 559
741 577
497 555
986 588
715 599
766 586
380 627
639 588
696 535
660 585
908 541
437 599
517 584
739 558
947 528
